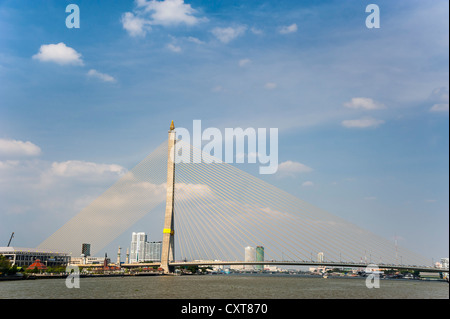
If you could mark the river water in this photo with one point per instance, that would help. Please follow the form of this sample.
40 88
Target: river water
223 287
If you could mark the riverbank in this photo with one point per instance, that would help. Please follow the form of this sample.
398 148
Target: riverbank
63 276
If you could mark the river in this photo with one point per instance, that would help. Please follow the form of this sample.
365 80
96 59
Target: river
223 287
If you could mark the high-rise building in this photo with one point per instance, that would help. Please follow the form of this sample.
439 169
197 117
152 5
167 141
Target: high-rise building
320 257
143 251
444 262
259 257
138 241
155 249
249 256
86 249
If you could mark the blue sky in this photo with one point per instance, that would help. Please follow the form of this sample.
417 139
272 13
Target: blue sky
365 109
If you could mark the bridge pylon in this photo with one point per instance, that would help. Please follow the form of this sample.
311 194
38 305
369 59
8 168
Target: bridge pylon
168 245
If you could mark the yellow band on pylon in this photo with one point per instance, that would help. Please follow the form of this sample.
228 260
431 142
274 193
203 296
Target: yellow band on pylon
168 231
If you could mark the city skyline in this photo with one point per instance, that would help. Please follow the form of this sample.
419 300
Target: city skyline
362 113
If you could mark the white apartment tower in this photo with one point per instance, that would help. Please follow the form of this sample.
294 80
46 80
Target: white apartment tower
143 251
320 257
138 241
250 255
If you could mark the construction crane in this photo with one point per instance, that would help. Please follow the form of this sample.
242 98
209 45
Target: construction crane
12 235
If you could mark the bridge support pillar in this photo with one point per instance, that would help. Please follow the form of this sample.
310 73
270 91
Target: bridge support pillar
168 245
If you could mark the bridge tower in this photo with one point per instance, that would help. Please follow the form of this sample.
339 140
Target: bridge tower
168 252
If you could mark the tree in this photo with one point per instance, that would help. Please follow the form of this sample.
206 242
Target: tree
12 270
5 265
193 268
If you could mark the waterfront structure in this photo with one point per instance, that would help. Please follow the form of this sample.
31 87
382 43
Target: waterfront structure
105 262
444 263
154 251
138 241
168 243
259 257
144 251
86 249
90 260
320 257
21 257
249 255
37 265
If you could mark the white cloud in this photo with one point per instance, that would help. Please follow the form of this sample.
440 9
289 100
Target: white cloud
308 184
84 169
226 35
52 188
191 191
270 85
364 103
289 29
440 98
58 53
256 31
74 174
442 107
101 76
13 148
165 13
173 48
440 94
195 40
244 62
8 164
362 123
169 12
218 88
134 25
290 168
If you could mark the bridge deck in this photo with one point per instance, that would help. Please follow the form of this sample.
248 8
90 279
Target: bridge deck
289 263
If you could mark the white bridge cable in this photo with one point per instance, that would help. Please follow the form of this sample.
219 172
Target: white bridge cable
218 211
129 199
303 220
268 192
204 224
194 233
212 224
184 211
230 207
229 229
374 239
256 216
216 168
287 228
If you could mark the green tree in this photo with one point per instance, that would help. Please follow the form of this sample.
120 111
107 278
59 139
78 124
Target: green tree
5 265
12 270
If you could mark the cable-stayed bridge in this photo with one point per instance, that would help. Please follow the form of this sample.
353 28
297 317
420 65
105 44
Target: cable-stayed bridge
214 210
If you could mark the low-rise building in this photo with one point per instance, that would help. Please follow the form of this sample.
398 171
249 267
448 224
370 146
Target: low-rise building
86 260
21 256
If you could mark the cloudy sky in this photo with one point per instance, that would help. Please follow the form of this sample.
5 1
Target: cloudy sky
362 113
